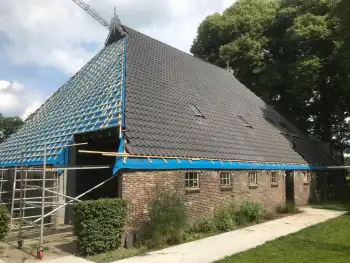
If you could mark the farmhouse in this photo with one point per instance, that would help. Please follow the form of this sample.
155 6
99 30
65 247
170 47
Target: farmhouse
159 117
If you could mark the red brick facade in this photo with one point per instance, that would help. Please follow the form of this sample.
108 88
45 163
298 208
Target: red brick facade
138 188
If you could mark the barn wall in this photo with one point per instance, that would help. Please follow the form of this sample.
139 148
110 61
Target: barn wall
139 188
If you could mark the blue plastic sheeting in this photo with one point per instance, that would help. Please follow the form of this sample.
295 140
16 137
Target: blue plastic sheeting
89 101
184 164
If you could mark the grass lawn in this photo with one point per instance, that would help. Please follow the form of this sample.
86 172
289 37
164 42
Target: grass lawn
333 205
328 242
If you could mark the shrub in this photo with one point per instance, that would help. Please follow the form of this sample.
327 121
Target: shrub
99 224
167 218
223 219
4 222
287 208
253 211
241 218
206 225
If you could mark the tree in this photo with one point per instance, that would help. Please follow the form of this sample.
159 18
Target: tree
9 125
289 52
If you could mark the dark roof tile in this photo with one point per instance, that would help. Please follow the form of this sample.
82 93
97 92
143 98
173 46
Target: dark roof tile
161 83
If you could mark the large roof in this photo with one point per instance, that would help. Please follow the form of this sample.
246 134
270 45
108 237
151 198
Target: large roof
162 83
164 89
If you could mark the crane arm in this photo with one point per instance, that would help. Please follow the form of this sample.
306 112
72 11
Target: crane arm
91 12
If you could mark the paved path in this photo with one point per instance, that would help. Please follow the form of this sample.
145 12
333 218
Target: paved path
219 246
66 259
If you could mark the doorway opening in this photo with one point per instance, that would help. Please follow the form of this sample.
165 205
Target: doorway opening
83 180
289 186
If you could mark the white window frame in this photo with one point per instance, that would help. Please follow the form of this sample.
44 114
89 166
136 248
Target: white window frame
274 175
225 179
191 180
253 178
306 177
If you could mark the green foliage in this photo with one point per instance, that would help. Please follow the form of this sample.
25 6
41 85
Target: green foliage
4 222
9 125
288 208
224 218
294 54
252 211
241 218
205 225
167 219
99 224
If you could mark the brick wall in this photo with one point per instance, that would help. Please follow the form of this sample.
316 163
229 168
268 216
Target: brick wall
302 189
138 188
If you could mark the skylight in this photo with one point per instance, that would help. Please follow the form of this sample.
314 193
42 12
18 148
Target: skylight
246 123
195 110
283 128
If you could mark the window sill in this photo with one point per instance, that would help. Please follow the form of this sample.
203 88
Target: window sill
253 186
226 187
193 190
274 184
306 183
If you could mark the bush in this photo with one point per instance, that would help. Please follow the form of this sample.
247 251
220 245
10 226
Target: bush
206 225
4 222
253 211
224 219
287 208
167 219
99 224
241 218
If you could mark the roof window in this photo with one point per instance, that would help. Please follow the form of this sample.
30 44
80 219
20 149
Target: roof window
246 123
195 110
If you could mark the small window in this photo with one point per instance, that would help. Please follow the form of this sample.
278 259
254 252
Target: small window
196 111
192 180
253 178
245 122
306 177
225 179
274 177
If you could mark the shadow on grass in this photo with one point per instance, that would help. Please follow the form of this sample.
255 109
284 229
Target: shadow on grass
343 205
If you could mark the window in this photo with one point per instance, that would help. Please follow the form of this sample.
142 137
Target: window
283 128
245 122
195 110
274 177
192 180
306 177
253 178
225 179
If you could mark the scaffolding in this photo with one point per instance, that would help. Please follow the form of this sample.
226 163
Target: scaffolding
34 197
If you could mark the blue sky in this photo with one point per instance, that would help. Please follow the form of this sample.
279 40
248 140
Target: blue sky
44 42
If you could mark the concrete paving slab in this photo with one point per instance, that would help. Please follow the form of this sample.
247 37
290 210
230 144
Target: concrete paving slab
217 247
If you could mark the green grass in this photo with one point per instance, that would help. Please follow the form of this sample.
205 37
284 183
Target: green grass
333 205
117 254
328 242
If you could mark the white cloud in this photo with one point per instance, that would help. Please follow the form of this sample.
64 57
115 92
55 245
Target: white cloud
57 33
53 33
15 99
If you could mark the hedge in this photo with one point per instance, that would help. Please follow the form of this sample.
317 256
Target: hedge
99 224
4 222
